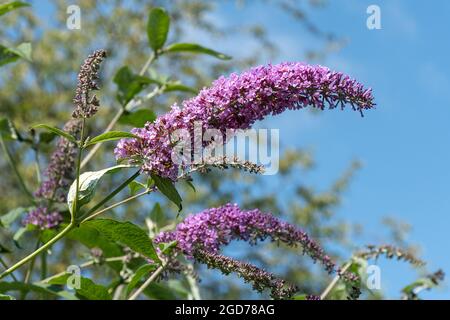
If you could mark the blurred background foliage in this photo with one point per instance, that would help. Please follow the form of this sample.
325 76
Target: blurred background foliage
41 91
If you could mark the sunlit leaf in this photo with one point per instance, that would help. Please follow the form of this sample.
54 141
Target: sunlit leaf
109 136
87 290
10 6
56 131
126 233
157 28
195 48
130 84
140 273
88 185
138 118
167 188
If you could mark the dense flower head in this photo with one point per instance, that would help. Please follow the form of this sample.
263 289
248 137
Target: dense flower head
60 171
42 219
214 228
85 105
237 101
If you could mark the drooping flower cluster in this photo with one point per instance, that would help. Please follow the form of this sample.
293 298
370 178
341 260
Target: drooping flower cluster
42 219
259 278
214 228
85 105
390 252
237 102
202 235
60 171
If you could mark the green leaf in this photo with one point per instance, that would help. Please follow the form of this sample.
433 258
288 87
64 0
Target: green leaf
18 235
138 118
4 249
135 186
126 233
130 84
23 50
173 290
195 48
4 127
299 297
92 238
140 273
191 185
157 28
166 248
110 136
9 55
10 6
176 86
57 131
6 297
6 56
88 185
88 289
37 287
167 188
157 215
7 129
46 137
8 219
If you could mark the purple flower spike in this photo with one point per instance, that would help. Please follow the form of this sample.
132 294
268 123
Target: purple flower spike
43 220
85 105
60 171
237 101
214 228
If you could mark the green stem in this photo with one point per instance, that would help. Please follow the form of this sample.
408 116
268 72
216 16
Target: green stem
44 247
147 283
335 280
77 190
84 265
67 229
3 263
31 266
92 216
16 171
44 265
111 195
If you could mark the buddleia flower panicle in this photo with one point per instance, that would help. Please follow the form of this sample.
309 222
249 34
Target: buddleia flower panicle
259 278
214 228
61 168
41 218
201 236
85 104
390 252
239 100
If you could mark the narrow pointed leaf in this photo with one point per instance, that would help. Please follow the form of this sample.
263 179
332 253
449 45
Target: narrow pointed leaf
127 234
195 48
110 136
157 28
57 131
10 6
88 185
167 188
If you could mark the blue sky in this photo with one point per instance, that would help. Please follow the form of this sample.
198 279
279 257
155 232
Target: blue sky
403 144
